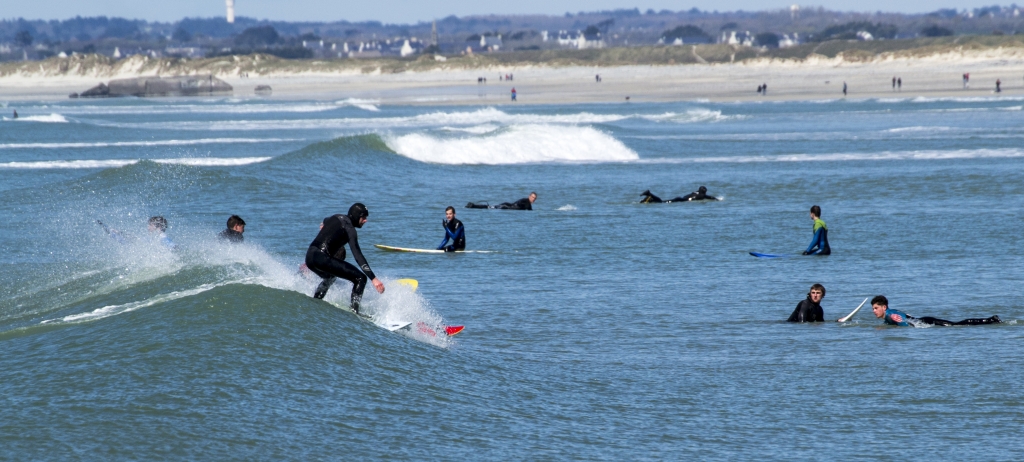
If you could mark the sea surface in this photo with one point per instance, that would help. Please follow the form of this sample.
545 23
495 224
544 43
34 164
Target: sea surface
598 329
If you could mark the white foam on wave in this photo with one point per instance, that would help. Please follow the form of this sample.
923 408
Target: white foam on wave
518 144
52 118
112 310
433 119
114 163
476 130
847 157
691 116
566 208
366 104
144 143
966 99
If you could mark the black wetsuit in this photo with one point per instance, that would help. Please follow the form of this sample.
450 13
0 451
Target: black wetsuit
456 232
231 235
326 258
650 198
965 322
521 204
694 196
807 311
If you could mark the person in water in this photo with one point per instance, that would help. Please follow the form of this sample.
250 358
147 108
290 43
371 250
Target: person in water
525 203
819 243
326 254
700 194
453 230
880 306
236 226
158 227
809 310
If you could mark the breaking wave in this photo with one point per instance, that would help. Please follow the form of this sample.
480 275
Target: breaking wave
114 163
518 144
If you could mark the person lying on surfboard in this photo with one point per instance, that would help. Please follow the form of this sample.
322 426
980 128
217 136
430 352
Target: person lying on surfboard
525 203
819 243
454 230
880 306
326 254
700 194
809 310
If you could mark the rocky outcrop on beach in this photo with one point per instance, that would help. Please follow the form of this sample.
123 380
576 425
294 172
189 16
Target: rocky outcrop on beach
160 86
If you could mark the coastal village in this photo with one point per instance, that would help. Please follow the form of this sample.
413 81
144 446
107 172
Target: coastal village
117 38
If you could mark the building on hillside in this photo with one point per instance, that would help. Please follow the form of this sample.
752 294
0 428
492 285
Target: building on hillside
744 38
789 41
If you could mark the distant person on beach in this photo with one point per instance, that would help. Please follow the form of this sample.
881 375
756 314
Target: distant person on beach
158 227
525 203
899 84
764 89
880 306
236 226
894 83
513 93
759 89
819 243
998 86
844 88
699 195
809 309
453 230
326 255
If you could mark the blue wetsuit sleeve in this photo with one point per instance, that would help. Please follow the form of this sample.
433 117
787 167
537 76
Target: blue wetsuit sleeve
447 234
815 243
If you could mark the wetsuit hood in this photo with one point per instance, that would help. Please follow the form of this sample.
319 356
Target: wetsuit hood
357 211
702 190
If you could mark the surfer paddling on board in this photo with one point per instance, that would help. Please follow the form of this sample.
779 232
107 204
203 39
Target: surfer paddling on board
819 243
525 203
326 254
453 230
880 306
700 194
809 310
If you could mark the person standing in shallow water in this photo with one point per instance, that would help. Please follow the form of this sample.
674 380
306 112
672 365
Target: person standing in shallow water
513 93
809 310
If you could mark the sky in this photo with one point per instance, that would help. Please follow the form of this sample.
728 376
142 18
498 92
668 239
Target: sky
412 11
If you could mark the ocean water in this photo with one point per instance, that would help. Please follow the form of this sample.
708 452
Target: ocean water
599 328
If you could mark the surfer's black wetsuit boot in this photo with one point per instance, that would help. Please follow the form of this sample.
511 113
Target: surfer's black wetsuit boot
477 206
965 322
356 299
321 290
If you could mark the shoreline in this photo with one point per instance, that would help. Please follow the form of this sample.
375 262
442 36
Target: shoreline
814 78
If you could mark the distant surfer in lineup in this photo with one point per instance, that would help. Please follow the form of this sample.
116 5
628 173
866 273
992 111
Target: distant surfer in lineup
809 309
236 226
880 306
525 203
453 230
326 254
819 243
701 194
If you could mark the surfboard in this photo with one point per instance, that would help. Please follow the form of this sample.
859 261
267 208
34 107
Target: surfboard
769 255
391 248
395 326
855 310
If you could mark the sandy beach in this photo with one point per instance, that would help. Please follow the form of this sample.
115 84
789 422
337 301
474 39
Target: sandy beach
938 75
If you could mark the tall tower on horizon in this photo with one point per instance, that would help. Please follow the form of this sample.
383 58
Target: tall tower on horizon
433 34
231 10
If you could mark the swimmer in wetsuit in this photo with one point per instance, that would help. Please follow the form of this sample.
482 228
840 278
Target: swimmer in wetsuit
326 254
819 243
236 226
453 230
809 310
699 195
880 306
525 203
